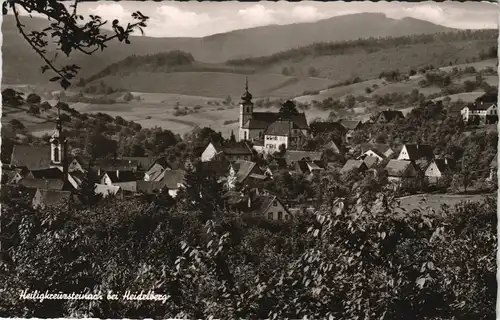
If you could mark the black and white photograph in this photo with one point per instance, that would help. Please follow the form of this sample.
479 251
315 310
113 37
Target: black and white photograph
249 160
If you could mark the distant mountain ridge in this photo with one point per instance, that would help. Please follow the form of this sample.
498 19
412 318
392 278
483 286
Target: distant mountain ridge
246 43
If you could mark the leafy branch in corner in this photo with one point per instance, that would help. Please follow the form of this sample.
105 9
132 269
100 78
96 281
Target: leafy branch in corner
69 31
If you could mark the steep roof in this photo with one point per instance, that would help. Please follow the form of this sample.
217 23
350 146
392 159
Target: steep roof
172 178
352 164
418 151
370 161
233 148
350 124
390 115
280 128
397 168
423 164
243 169
297 155
326 127
480 106
219 167
122 176
143 163
378 148
445 164
34 158
49 184
155 171
262 120
49 173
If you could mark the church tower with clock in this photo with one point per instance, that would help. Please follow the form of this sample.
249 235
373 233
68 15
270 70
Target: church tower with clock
58 147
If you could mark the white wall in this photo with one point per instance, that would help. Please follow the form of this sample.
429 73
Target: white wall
274 209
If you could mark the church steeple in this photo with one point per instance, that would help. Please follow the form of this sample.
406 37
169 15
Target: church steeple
58 152
246 97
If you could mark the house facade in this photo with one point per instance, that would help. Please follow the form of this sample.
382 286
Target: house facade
387 116
480 113
439 168
282 132
414 152
399 170
232 151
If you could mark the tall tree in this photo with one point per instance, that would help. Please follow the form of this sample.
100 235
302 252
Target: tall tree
288 108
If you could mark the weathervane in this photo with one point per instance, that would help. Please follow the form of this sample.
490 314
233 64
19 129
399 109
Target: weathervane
246 84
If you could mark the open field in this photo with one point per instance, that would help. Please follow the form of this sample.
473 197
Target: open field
434 201
492 80
480 65
466 96
215 84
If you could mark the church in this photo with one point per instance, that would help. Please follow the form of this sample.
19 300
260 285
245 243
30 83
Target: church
269 130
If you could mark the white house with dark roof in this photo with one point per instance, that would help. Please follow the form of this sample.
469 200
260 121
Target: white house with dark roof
414 152
397 170
483 110
282 132
253 125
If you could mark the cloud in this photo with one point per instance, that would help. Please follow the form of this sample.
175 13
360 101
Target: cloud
112 11
257 15
303 13
171 21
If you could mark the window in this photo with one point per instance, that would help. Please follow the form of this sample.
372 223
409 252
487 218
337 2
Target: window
286 217
270 216
280 215
246 135
56 154
275 203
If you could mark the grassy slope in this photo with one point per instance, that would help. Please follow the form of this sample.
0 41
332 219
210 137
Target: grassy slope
217 48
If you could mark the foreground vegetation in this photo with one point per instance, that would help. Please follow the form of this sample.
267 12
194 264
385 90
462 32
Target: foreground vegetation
346 261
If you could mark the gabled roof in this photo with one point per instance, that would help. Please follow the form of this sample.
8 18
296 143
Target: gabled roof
370 161
50 173
122 176
423 164
34 158
351 124
296 155
262 120
82 160
243 169
390 115
378 148
445 164
219 167
172 178
327 127
351 165
48 184
418 151
397 168
234 148
155 171
494 161
143 163
480 106
280 128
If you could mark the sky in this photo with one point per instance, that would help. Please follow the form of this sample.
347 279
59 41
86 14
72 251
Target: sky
199 19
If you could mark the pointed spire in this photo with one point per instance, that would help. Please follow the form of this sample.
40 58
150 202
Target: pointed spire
246 84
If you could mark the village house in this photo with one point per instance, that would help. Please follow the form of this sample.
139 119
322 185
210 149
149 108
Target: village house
439 168
53 174
173 180
263 205
480 113
378 150
326 127
107 190
284 133
232 151
400 170
388 116
351 126
352 164
245 173
252 125
105 165
414 152
119 178
156 169
293 156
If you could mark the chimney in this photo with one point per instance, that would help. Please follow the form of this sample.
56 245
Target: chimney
117 173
